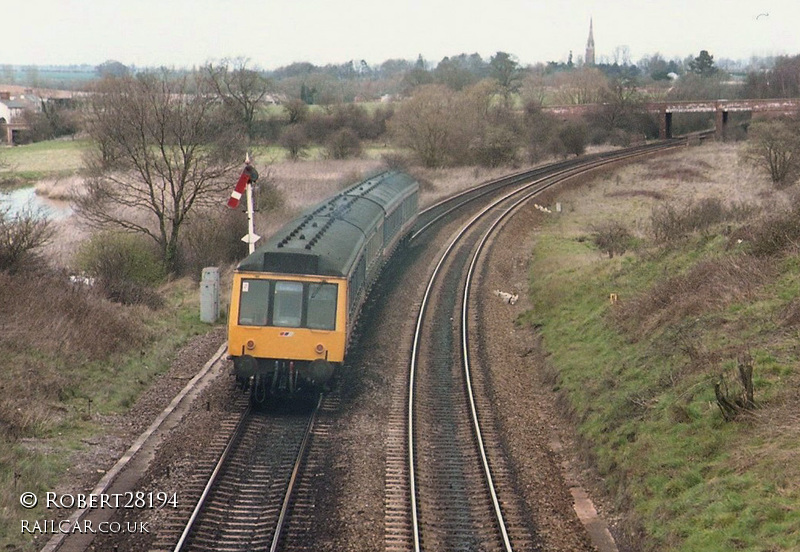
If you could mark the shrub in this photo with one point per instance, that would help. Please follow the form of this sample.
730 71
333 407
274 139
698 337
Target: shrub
20 236
612 237
213 238
672 221
127 292
343 144
776 233
353 117
49 313
51 328
114 255
540 128
775 146
124 266
268 197
497 146
294 139
574 137
396 161
269 129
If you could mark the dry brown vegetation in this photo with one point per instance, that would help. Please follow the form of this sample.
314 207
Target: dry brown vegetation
56 316
68 325
663 169
706 287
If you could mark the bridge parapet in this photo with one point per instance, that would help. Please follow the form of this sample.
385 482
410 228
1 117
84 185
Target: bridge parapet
706 106
721 108
665 110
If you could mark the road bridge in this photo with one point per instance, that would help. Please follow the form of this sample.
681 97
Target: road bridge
721 108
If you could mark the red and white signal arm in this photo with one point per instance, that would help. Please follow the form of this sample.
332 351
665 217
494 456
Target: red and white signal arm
248 175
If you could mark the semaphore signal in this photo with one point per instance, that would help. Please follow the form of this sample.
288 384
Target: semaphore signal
245 184
249 175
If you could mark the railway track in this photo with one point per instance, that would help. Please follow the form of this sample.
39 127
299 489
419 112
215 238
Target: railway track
260 494
443 208
448 484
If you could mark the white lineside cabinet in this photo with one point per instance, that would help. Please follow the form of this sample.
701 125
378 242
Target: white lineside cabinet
209 295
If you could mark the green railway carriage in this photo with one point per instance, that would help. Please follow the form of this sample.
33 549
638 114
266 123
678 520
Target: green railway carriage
295 299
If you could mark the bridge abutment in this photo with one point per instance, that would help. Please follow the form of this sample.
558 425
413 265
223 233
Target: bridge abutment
665 125
720 124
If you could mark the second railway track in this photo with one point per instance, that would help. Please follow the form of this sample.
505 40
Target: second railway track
461 496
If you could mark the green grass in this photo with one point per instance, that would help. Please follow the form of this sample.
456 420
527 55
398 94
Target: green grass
647 409
32 162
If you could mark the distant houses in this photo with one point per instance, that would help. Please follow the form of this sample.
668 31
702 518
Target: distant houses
12 109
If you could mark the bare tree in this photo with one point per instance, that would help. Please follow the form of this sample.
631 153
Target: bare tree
296 110
159 153
622 109
20 235
775 146
421 123
444 127
242 90
621 55
295 140
581 86
534 89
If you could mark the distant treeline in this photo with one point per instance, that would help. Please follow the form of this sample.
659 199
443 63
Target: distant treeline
358 80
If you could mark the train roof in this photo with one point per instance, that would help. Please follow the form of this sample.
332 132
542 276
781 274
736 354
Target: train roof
325 240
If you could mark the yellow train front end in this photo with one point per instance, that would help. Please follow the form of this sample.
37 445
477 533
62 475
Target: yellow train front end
296 297
286 333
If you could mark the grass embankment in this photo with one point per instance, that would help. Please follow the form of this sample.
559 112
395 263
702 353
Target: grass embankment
638 375
69 360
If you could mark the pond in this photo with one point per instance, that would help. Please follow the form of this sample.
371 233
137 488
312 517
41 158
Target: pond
18 200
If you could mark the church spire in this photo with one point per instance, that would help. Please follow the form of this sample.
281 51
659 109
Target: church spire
589 59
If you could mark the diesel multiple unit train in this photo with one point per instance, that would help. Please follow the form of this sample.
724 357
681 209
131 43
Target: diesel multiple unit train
295 299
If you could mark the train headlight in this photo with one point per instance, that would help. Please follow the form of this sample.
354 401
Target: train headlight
319 349
251 344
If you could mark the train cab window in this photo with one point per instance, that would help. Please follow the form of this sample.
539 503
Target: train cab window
288 304
254 303
321 313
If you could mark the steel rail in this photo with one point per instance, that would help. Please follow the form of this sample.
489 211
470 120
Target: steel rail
211 480
476 426
491 186
540 185
301 454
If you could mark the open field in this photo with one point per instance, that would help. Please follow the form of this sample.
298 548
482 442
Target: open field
27 165
637 376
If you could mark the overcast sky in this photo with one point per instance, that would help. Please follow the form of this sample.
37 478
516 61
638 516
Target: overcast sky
273 33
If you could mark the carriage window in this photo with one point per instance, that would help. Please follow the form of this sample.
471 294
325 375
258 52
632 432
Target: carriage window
254 303
288 304
321 313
